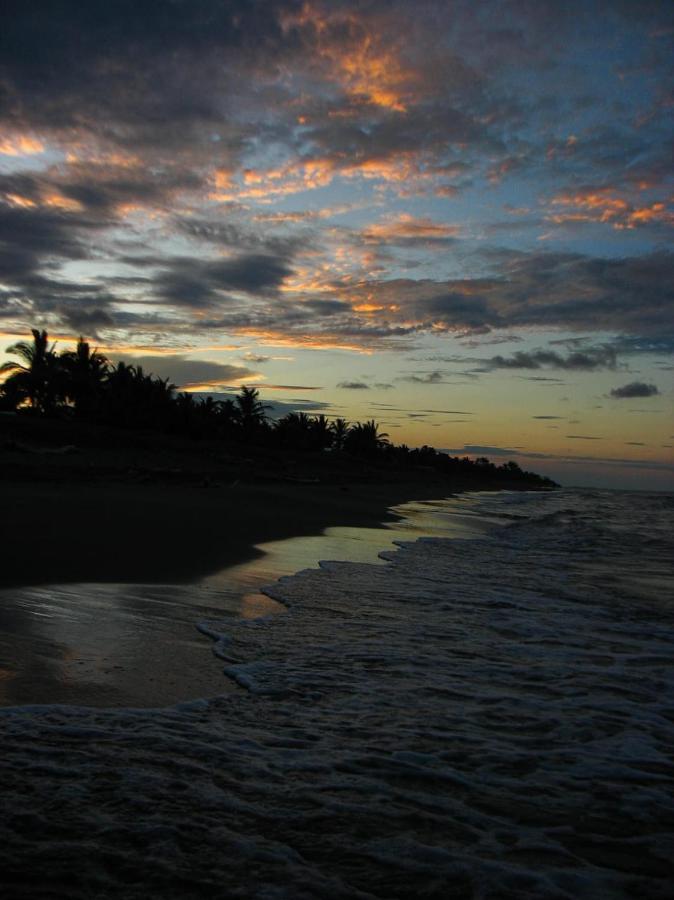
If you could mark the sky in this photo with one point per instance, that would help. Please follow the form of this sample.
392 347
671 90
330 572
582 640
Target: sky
452 217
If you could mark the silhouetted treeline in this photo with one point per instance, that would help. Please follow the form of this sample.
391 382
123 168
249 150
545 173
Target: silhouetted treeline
85 385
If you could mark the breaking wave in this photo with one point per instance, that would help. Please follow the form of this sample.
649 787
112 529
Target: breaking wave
488 717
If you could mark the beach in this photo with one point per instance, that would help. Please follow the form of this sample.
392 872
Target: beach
103 584
69 532
116 545
484 711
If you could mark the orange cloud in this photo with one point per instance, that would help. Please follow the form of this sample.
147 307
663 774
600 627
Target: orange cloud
407 227
265 184
58 201
607 207
18 200
82 153
21 145
323 341
53 200
353 50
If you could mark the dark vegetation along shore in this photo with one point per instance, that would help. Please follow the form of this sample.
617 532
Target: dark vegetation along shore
116 476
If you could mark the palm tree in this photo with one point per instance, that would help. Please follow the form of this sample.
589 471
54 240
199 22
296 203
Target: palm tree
365 439
321 433
251 412
294 430
340 429
85 373
39 378
120 399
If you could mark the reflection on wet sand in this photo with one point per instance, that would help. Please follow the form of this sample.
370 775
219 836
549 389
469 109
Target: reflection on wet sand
137 645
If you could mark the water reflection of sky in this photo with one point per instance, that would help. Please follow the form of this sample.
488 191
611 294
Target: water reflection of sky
137 645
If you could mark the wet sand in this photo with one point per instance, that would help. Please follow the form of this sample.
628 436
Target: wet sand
102 586
59 533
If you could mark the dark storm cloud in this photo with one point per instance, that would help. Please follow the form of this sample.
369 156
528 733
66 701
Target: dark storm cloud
635 389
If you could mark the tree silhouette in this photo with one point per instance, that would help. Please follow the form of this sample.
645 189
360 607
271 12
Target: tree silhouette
321 433
303 432
251 412
124 396
365 439
85 375
294 430
340 430
38 379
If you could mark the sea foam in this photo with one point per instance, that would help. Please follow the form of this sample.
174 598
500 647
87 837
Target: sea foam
478 718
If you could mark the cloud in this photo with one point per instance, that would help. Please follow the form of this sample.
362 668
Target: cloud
635 389
547 417
354 385
607 205
583 437
480 450
651 344
162 130
241 236
275 409
429 378
187 281
405 230
582 360
543 379
186 372
292 387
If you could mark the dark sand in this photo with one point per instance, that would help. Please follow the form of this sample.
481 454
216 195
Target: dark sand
53 533
102 584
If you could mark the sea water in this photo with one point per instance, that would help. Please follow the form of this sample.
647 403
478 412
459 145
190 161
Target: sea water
486 716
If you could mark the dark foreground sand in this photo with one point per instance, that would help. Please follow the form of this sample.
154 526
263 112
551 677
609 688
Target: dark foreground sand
53 533
102 585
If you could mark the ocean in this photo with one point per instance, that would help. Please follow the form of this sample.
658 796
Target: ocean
486 711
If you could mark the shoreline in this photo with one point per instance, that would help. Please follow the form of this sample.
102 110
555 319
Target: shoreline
64 533
101 607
